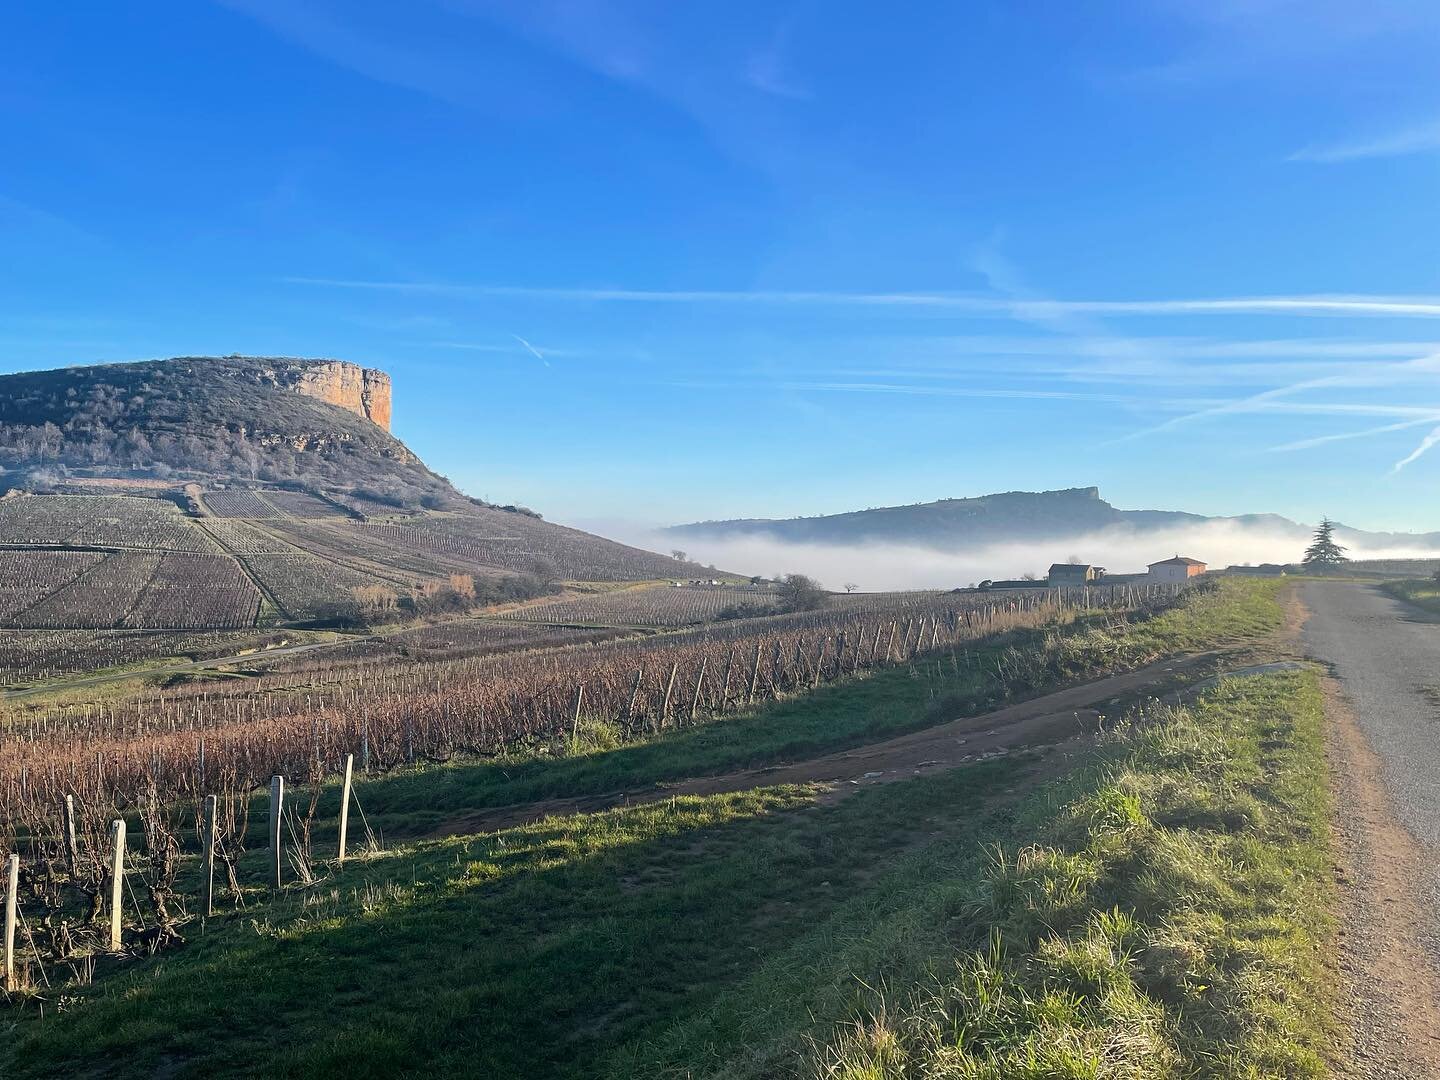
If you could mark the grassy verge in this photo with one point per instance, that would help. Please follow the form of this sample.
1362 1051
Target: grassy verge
1422 592
1170 921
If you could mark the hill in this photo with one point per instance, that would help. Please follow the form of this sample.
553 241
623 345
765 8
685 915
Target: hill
226 493
950 524
270 419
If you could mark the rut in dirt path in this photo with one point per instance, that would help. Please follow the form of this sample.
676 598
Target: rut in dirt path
1041 721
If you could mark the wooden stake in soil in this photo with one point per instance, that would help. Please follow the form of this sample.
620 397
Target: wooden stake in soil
12 902
699 683
117 881
634 697
207 845
725 682
575 720
72 850
277 799
669 691
345 806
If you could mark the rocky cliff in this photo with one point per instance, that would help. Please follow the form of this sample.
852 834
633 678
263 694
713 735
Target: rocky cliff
363 391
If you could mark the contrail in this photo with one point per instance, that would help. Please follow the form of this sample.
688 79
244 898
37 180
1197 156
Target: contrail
1321 440
1425 444
532 349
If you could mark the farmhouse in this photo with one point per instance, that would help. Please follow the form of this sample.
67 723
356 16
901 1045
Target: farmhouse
1063 574
1177 569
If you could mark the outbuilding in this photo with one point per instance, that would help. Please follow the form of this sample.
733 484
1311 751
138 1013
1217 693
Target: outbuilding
1073 574
1179 568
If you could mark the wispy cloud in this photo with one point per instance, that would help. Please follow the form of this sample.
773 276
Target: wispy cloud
531 349
1425 444
906 389
1323 440
501 348
1035 310
1268 400
1419 139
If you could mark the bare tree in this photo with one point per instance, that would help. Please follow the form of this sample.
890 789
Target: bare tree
801 593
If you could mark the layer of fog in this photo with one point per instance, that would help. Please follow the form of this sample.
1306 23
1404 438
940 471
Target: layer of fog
885 566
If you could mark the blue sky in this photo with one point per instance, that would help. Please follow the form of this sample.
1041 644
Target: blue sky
667 261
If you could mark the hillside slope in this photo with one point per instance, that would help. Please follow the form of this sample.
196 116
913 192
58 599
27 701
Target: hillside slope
207 493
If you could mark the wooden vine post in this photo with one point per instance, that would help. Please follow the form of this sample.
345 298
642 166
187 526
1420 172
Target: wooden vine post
725 682
634 697
699 683
72 850
575 719
117 881
207 872
754 676
345 787
12 908
277 800
669 692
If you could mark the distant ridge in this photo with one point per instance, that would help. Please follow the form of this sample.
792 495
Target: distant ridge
951 524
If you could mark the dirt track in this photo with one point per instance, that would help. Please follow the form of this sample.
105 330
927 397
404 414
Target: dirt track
1042 721
1384 750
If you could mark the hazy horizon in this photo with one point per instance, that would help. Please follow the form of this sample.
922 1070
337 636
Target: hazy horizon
878 566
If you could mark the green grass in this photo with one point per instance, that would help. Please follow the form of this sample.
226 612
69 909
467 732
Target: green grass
538 951
780 931
1422 592
1173 920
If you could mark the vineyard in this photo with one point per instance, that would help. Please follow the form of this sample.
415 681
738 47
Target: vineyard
100 521
238 504
83 562
27 656
245 538
518 542
651 605
663 606
308 587
185 763
138 590
27 577
344 542
393 714
300 505
447 641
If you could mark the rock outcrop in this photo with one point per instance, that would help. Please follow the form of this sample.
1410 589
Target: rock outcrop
363 391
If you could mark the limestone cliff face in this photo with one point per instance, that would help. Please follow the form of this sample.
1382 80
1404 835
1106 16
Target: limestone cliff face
363 391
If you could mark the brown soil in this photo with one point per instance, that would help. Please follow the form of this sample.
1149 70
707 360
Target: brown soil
1042 721
1390 990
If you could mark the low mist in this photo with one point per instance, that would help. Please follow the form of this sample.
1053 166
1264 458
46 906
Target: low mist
1121 550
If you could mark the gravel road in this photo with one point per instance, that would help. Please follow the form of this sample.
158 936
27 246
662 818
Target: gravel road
1385 753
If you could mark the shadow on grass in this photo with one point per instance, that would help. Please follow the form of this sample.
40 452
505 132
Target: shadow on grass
539 951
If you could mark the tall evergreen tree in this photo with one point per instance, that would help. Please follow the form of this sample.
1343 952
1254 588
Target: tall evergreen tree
1323 552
